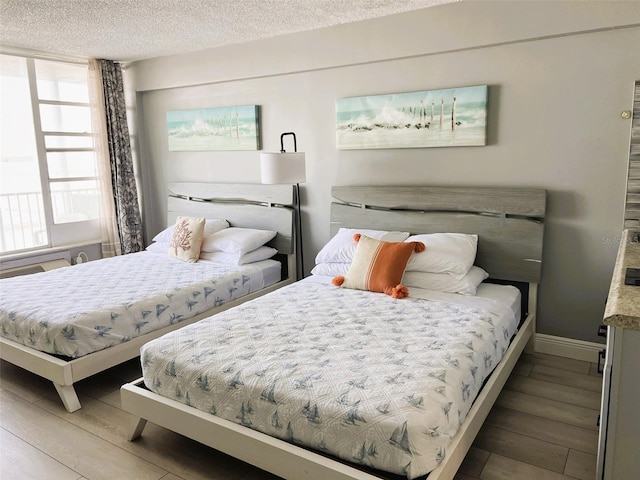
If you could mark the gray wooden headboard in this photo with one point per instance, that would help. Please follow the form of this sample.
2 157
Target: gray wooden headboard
267 207
509 222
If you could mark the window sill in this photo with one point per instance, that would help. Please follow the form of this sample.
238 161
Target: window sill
44 252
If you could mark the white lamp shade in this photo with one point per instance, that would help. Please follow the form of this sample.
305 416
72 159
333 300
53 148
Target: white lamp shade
282 168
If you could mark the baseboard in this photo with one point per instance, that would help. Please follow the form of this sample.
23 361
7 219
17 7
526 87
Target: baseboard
568 347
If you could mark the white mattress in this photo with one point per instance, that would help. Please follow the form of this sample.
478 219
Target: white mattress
370 379
77 310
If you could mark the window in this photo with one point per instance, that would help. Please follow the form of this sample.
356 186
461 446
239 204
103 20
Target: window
48 186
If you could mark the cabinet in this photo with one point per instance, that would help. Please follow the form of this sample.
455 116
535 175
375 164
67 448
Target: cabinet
619 436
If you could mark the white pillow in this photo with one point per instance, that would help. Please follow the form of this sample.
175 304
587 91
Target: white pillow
236 240
211 226
331 269
158 247
342 246
260 253
445 282
452 253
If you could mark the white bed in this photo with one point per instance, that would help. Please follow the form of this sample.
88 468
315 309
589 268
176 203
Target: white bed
350 375
69 323
315 370
76 311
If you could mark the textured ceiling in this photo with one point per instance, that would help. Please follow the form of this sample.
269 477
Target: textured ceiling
128 30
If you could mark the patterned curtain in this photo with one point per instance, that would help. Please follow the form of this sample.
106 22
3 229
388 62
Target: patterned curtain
125 193
110 238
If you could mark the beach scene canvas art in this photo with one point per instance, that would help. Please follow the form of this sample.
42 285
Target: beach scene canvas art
222 128
449 117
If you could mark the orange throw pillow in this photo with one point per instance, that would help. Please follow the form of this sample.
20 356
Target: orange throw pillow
378 266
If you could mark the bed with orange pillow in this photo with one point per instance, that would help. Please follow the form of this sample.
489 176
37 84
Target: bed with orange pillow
362 368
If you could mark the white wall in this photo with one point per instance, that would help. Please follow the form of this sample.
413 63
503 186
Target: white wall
559 73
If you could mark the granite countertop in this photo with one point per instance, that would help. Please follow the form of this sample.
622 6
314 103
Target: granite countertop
623 303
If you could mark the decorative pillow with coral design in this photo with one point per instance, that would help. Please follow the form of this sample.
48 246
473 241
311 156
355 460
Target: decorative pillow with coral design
378 266
186 240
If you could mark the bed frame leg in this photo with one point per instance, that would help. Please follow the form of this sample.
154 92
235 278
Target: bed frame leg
530 347
68 396
136 426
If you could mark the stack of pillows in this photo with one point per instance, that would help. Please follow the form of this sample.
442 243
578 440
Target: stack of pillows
192 238
360 258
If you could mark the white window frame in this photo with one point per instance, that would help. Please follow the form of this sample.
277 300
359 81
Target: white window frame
61 234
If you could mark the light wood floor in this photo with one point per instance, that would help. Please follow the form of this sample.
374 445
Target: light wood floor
543 426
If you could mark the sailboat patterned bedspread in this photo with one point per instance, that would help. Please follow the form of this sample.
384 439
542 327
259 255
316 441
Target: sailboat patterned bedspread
77 310
370 379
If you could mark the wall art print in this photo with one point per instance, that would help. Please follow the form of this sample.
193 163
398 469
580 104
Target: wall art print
449 117
222 128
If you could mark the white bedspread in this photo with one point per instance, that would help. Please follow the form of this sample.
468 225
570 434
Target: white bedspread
77 310
373 380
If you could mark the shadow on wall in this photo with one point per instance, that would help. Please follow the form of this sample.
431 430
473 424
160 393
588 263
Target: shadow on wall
571 303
